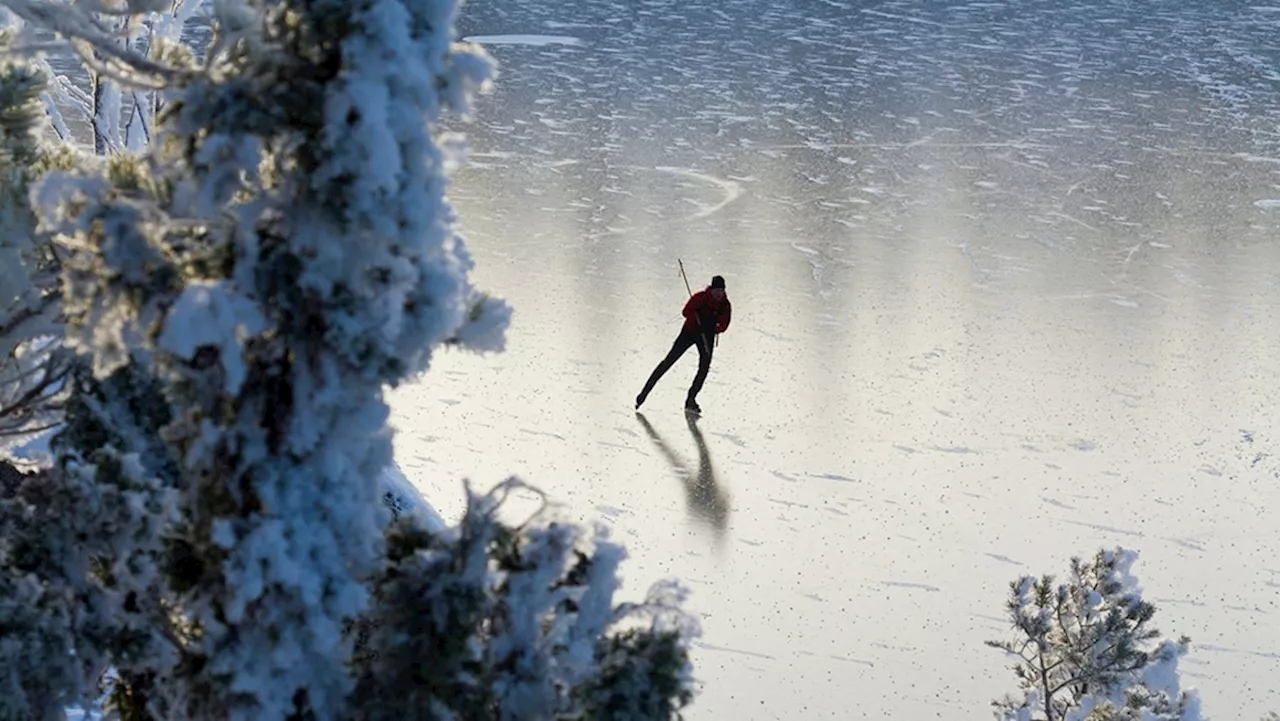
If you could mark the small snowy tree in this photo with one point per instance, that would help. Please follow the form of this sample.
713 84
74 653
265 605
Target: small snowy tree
1084 649
487 621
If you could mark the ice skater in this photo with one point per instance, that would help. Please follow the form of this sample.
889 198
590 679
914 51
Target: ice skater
706 315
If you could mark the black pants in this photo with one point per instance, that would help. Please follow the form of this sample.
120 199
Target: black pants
704 342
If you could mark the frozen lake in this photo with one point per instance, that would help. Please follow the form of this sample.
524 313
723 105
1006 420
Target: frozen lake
1004 278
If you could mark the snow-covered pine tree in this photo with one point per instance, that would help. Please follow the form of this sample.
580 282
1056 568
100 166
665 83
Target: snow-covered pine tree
281 254
490 621
1084 650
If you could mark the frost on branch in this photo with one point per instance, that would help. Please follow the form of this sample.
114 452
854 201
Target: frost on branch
1084 649
486 620
32 365
79 545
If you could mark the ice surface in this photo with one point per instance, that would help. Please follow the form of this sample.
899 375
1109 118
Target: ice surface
1004 277
523 39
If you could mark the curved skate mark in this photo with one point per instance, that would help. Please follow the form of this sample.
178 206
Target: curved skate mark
732 190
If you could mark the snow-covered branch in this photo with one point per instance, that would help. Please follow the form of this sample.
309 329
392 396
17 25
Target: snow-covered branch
1085 650
31 365
95 31
519 622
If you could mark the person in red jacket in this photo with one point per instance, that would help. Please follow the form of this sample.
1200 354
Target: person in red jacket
705 315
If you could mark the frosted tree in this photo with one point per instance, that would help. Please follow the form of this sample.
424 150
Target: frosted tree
1084 650
489 621
282 254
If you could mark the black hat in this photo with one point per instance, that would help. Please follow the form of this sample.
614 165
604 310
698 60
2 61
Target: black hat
717 281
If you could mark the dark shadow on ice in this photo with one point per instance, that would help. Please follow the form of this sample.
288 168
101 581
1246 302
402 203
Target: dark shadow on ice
706 500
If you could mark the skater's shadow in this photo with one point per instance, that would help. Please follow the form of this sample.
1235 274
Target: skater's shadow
707 502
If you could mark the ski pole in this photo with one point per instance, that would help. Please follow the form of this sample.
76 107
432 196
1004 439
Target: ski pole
701 337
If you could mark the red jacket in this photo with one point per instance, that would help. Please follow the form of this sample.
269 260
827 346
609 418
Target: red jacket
708 307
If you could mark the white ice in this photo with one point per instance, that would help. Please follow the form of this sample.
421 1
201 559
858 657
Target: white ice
1004 278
